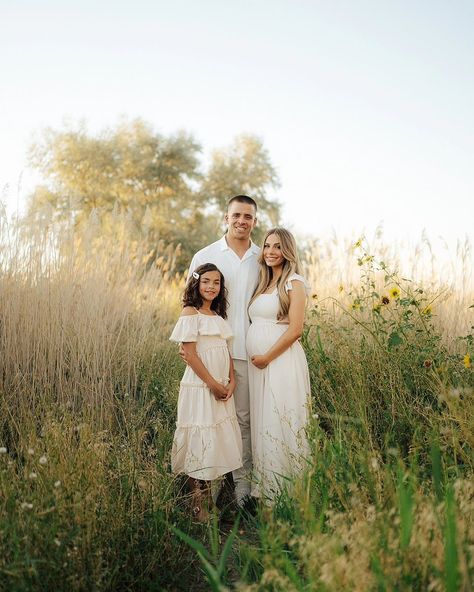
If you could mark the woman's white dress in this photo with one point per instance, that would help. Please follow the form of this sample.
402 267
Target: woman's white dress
207 442
279 400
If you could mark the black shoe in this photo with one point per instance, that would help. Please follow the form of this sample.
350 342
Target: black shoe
225 498
248 508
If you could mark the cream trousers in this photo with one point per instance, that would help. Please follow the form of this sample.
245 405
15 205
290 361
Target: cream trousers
242 407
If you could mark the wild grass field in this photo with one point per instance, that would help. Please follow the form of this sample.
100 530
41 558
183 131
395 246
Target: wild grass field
88 388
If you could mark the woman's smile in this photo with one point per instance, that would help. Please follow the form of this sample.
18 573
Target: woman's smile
272 254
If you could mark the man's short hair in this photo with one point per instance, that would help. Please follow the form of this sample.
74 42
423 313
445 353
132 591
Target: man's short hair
242 199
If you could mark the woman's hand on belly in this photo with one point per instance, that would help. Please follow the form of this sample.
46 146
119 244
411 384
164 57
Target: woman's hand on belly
260 362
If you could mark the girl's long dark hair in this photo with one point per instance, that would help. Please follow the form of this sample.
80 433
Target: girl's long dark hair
191 296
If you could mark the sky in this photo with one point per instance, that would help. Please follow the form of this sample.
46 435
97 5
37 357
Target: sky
365 107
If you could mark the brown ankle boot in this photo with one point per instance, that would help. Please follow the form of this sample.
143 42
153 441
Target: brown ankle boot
199 503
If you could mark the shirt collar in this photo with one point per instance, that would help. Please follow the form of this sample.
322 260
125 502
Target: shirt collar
223 244
255 249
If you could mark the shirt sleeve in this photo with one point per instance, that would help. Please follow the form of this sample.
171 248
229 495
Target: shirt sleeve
299 278
186 329
195 263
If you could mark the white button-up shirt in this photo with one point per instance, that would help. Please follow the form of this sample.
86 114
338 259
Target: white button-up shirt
241 277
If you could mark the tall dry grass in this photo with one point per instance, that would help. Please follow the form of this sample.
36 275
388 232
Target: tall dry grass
88 383
88 386
82 315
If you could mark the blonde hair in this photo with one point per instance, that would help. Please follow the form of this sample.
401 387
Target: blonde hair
291 265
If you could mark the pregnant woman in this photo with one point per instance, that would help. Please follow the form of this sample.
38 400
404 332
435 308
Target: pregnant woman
278 371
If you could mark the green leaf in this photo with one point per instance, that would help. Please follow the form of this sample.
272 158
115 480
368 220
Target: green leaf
227 548
196 545
451 560
213 576
406 505
394 340
437 469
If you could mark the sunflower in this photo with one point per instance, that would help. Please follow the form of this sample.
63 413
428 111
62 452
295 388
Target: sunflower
395 292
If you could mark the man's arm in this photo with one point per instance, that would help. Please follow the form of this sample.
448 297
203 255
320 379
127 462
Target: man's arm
195 263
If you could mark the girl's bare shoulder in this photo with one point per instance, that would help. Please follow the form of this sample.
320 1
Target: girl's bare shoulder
188 311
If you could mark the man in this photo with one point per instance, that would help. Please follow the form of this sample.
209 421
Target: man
237 258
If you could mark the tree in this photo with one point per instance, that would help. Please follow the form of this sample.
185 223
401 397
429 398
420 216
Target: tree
244 167
158 180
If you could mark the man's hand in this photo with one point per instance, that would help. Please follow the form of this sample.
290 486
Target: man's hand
182 353
259 361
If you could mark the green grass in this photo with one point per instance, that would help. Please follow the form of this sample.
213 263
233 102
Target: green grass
88 388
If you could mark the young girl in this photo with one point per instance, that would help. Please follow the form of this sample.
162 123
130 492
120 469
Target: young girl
207 443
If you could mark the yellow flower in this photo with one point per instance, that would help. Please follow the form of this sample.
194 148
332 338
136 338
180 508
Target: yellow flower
341 288
355 305
358 243
395 292
427 311
467 361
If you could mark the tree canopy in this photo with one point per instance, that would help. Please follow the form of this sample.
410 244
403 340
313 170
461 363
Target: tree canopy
158 180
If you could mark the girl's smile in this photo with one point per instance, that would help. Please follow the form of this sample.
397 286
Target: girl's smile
209 285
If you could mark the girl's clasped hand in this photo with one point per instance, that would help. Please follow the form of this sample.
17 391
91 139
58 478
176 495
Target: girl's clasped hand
223 392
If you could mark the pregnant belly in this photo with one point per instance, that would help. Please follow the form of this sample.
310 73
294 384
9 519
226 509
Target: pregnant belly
261 336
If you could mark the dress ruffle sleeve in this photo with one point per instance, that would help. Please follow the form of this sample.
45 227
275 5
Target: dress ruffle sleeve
215 325
300 278
186 329
189 327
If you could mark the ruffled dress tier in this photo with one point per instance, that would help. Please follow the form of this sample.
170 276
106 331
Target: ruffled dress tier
279 400
207 442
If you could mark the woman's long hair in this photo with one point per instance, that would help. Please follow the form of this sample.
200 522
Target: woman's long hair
192 297
291 264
